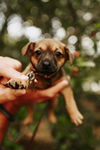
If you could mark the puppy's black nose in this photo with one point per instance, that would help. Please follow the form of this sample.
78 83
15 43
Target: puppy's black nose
46 63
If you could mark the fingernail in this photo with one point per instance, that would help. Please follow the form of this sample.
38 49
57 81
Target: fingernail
24 77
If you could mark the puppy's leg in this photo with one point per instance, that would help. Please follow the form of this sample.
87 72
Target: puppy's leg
19 83
52 104
29 118
71 106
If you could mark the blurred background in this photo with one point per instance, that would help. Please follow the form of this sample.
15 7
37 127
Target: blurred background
77 24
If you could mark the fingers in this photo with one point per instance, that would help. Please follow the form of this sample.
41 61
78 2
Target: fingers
7 94
33 96
56 88
49 93
12 73
13 94
13 63
9 72
9 66
19 92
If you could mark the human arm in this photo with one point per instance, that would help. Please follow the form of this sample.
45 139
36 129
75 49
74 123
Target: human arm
33 96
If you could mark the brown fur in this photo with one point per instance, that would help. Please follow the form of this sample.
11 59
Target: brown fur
45 81
47 58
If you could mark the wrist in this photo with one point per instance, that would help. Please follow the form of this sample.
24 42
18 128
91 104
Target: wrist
7 114
7 111
4 123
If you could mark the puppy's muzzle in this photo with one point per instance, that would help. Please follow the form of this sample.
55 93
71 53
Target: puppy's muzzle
46 64
47 67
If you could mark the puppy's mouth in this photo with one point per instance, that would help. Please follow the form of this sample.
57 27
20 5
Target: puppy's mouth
47 71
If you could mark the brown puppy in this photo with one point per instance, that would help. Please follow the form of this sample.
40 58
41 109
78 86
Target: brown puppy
47 58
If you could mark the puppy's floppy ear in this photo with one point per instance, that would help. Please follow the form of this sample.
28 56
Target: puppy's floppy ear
28 48
69 55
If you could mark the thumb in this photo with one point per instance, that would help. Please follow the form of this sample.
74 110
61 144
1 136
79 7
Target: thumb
12 73
57 88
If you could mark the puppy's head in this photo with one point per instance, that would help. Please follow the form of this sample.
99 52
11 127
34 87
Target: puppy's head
47 56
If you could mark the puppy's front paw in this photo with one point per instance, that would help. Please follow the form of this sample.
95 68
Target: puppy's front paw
77 118
17 83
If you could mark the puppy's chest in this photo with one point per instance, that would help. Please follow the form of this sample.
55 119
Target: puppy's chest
43 83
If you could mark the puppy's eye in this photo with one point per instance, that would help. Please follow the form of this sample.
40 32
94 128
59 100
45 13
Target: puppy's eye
58 54
37 52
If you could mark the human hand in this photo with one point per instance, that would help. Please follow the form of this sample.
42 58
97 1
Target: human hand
33 96
9 68
7 94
